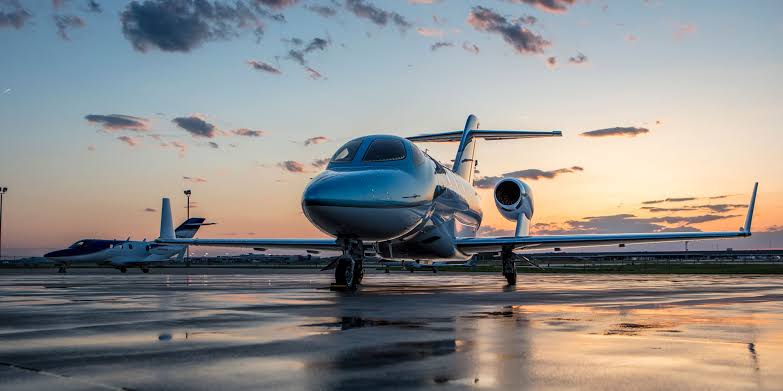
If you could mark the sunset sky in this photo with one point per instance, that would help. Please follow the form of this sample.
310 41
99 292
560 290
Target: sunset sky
107 106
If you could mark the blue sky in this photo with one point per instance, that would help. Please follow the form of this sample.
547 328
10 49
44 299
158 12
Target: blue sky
703 77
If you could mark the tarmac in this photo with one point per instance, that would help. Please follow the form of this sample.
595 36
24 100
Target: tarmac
233 329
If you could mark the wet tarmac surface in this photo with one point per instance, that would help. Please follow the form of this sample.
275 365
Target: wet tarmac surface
196 329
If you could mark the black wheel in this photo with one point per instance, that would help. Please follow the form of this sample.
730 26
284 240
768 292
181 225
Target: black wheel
123 269
358 272
511 278
145 270
346 275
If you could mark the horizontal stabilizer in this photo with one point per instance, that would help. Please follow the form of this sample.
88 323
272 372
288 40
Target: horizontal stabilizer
456 135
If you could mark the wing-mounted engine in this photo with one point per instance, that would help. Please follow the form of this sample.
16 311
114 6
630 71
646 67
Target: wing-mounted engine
514 200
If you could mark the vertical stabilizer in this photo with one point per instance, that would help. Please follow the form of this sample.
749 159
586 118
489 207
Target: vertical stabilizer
464 163
166 223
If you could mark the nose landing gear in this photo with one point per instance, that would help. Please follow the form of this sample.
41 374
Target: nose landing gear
350 267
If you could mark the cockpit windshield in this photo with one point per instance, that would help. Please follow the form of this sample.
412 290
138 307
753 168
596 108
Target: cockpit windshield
78 244
348 151
384 150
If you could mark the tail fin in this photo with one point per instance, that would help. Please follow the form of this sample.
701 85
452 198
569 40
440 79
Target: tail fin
464 162
189 228
166 224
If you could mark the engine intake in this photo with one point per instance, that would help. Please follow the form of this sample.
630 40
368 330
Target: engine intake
514 198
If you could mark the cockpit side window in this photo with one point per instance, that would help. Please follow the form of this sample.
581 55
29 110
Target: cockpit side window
78 244
348 151
418 155
384 150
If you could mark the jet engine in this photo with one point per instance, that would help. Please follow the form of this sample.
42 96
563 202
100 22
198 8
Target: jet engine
514 200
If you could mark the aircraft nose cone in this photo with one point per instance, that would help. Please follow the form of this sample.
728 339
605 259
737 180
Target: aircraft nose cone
370 205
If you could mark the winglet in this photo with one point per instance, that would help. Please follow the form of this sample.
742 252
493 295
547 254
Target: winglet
166 223
751 206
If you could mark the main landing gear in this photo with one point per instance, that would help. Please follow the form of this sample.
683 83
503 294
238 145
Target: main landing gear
123 269
62 270
509 267
349 271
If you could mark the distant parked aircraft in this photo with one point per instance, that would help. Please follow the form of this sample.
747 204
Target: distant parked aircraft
123 254
383 191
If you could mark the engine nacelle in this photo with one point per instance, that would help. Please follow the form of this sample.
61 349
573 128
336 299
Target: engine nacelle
514 197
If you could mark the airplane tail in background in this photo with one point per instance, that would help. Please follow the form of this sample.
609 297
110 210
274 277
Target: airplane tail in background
464 162
189 228
166 223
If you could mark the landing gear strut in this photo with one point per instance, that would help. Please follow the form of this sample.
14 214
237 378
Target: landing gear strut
350 267
62 270
509 267
123 269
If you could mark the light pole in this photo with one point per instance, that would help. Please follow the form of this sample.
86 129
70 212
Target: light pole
187 194
2 193
187 249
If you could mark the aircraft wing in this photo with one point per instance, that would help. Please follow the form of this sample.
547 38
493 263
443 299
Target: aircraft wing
167 236
294 244
480 245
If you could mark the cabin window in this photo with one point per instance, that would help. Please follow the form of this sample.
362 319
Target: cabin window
384 150
348 151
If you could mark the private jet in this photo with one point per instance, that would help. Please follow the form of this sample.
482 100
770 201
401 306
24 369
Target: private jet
383 192
122 254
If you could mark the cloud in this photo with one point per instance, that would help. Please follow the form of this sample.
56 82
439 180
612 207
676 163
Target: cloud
277 4
551 62
621 223
299 55
151 210
315 75
629 131
439 45
631 38
320 163
489 230
380 17
513 32
262 66
316 140
65 22
423 1
196 126
578 59
183 25
429 32
684 30
531 174
551 6
12 14
180 147
673 199
130 141
94 7
325 11
112 122
91 148
194 179
470 47
248 132
292 166
715 208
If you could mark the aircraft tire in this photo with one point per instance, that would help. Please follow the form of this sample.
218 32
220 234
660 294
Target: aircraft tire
123 269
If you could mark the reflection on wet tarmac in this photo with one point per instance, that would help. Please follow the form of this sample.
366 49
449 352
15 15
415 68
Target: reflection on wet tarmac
216 330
